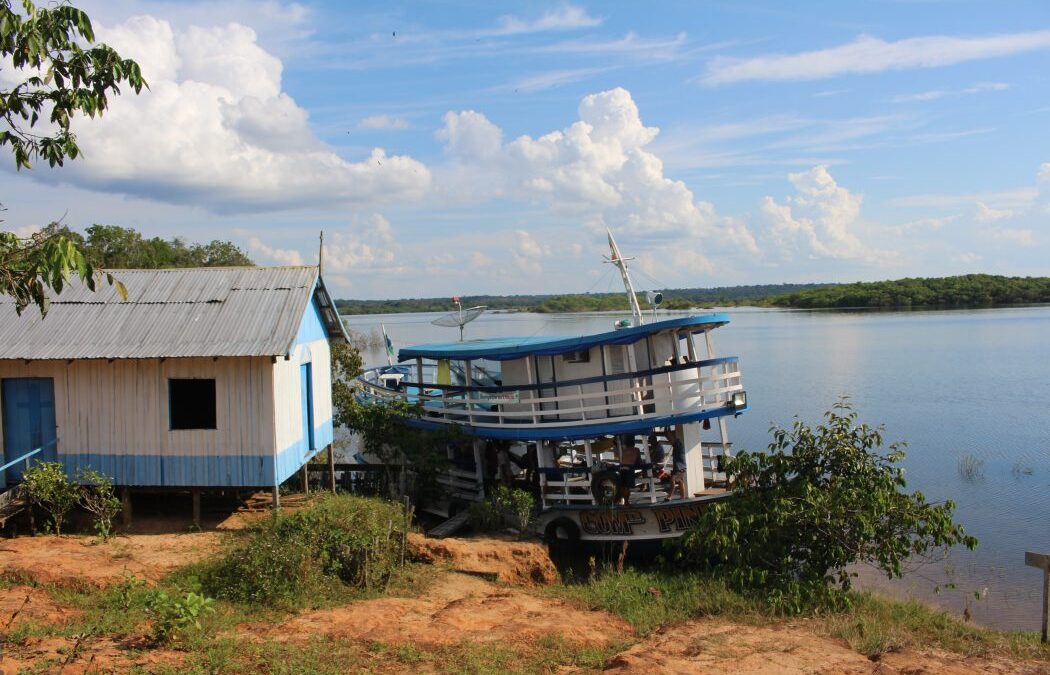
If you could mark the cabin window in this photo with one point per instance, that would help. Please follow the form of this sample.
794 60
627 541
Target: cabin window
191 403
580 356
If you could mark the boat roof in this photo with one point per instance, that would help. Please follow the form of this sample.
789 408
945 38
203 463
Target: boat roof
508 348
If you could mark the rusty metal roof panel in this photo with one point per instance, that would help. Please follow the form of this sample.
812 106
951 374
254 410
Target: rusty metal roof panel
231 311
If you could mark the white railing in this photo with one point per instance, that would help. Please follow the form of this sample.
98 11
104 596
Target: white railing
656 393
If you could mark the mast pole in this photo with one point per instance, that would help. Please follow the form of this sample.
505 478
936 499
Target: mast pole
621 264
320 256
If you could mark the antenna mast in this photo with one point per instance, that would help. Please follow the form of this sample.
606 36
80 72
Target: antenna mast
320 256
621 264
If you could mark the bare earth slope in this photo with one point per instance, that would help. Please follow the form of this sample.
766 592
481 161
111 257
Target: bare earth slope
457 608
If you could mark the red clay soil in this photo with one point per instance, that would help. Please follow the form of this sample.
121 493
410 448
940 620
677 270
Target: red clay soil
712 646
22 604
72 656
458 608
521 563
72 560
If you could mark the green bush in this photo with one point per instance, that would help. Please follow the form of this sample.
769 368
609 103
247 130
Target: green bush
820 501
48 487
173 615
490 514
98 498
336 540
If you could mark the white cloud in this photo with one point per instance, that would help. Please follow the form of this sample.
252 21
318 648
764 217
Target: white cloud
934 94
550 80
528 253
869 54
383 122
215 130
986 214
268 254
470 134
367 244
968 258
567 17
1043 187
655 49
818 219
598 169
1022 237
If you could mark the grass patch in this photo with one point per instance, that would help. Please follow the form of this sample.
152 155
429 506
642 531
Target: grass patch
875 625
650 599
333 543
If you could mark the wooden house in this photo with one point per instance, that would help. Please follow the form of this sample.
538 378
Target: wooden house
203 378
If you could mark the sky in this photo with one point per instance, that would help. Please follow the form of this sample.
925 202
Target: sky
452 148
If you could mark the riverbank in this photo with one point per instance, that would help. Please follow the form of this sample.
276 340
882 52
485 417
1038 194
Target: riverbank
71 604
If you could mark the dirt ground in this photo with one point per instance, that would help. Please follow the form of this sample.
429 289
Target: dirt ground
486 593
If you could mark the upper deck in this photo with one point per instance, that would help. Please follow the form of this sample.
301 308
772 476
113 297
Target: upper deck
547 388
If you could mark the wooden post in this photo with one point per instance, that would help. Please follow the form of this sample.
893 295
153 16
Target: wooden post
276 490
1042 561
196 496
125 505
331 468
306 478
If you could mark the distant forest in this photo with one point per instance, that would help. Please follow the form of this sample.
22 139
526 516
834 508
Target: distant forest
677 298
971 290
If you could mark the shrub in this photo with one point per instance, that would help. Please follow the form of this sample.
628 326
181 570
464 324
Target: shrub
48 487
343 539
491 514
173 615
98 498
818 502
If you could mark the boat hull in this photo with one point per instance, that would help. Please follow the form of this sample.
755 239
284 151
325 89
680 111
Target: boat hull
634 522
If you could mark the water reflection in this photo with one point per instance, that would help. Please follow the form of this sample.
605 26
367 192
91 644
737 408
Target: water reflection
953 384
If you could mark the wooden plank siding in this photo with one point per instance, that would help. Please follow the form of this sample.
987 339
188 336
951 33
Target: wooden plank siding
113 417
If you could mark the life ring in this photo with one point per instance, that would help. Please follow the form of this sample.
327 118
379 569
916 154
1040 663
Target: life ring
605 486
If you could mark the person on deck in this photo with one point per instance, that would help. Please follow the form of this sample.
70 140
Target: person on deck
630 461
678 469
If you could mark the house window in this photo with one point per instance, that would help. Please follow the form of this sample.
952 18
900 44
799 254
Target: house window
191 403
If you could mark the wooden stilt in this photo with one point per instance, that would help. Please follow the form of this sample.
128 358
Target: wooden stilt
331 468
1042 561
305 477
276 490
125 506
196 495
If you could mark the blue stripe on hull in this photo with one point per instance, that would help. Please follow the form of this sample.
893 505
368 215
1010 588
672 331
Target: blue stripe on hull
201 471
552 432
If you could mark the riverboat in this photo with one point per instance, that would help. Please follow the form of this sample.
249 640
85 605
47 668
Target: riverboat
590 421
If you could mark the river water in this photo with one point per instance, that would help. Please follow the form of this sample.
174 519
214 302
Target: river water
968 390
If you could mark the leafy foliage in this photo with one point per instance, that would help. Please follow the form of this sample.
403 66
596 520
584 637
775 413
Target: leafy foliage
818 502
346 365
64 78
30 266
386 436
338 539
173 615
48 487
491 514
98 498
113 247
960 291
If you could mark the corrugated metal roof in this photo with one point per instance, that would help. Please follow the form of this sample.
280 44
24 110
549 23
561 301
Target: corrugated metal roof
217 311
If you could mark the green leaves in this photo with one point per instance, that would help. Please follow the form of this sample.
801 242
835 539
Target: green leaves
820 501
62 79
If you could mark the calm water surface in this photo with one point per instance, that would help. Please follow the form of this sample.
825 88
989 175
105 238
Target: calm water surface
955 385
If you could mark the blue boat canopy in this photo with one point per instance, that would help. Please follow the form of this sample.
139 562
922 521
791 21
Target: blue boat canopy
508 348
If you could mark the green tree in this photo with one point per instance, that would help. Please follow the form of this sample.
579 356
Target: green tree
819 502
65 74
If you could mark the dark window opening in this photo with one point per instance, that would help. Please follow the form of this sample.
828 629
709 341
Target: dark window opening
191 404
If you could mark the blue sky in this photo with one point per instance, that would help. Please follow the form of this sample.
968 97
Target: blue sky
450 148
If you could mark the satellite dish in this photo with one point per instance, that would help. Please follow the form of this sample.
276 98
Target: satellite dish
459 318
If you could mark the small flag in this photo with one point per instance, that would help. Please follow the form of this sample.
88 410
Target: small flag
389 346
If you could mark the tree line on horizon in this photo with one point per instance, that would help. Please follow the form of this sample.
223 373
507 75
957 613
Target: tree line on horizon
113 247
970 290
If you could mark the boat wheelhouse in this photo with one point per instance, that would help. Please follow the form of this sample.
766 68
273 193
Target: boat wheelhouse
590 421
